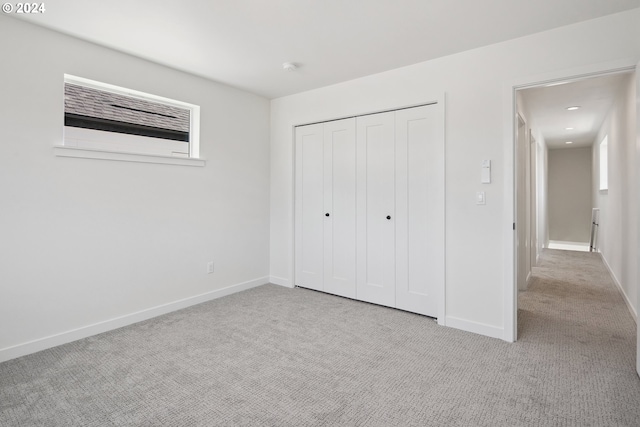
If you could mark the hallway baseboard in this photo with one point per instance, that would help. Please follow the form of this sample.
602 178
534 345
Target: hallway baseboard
569 246
620 288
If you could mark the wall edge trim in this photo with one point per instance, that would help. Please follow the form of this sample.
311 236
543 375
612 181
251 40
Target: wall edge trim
625 297
280 281
55 340
475 327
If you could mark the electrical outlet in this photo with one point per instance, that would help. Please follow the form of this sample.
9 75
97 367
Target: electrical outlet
210 267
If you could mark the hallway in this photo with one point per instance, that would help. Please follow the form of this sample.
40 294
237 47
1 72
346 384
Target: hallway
573 316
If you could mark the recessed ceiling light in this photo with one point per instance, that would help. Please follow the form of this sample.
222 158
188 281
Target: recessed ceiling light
575 107
568 128
569 142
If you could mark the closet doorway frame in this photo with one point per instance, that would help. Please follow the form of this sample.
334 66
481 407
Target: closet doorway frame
440 104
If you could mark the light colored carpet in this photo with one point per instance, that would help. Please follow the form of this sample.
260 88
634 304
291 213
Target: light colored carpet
273 356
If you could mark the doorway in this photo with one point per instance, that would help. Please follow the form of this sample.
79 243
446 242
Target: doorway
545 120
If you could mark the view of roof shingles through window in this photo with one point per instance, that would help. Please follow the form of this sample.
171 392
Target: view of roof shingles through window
96 109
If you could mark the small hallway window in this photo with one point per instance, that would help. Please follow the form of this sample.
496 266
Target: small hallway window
604 164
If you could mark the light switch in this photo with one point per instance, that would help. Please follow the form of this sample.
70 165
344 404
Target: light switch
480 198
486 172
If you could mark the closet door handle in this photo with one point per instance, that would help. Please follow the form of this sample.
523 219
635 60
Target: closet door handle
388 216
327 214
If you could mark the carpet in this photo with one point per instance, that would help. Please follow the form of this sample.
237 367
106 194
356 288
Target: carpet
273 356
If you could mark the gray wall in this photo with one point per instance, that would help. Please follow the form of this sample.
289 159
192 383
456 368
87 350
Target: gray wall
570 194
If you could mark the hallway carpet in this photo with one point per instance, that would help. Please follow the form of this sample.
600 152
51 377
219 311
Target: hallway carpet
273 356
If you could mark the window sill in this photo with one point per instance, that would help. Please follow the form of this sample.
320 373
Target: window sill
84 153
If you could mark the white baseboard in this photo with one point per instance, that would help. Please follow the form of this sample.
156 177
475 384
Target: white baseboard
625 297
280 281
118 322
475 327
569 246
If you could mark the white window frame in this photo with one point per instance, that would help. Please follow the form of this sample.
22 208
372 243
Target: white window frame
604 164
82 142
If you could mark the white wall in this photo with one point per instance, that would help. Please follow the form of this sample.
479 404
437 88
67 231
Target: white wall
88 241
474 83
541 173
618 231
570 194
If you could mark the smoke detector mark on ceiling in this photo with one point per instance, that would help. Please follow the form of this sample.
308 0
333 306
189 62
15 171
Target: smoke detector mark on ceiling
289 66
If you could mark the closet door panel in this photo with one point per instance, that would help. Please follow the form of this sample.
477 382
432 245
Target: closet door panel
420 204
309 209
340 203
376 213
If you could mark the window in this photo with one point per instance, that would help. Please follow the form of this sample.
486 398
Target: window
100 119
604 164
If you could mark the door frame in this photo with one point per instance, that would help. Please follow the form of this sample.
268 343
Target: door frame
510 313
520 215
533 197
439 102
638 201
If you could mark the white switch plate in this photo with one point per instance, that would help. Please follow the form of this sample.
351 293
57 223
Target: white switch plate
210 267
481 198
486 172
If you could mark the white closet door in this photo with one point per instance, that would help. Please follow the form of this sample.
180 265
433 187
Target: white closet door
375 203
340 204
420 210
309 209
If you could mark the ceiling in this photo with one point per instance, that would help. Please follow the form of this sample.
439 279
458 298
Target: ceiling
244 43
547 107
